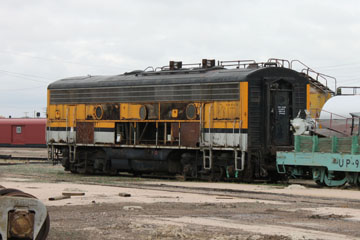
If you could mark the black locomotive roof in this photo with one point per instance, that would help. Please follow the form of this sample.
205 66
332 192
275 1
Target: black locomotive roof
169 77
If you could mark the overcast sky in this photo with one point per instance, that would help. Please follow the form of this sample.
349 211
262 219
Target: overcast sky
43 41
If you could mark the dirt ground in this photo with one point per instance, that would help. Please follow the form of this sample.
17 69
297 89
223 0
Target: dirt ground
169 209
24 152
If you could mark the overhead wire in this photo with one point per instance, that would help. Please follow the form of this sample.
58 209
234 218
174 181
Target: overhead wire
30 77
62 61
25 76
340 65
20 89
351 81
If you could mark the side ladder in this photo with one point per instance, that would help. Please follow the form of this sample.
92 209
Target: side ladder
50 150
207 158
239 160
72 153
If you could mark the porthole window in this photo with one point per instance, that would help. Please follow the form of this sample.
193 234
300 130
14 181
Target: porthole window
142 112
191 111
99 112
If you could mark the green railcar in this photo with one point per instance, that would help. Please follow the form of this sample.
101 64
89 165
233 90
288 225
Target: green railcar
330 161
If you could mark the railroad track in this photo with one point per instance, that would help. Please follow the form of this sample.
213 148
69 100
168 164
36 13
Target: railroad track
240 193
10 157
234 193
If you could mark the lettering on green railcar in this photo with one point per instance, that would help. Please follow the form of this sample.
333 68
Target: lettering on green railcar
348 162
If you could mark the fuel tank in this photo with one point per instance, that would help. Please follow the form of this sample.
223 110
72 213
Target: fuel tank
139 160
340 107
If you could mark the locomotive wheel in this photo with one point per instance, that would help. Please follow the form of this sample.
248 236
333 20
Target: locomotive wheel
336 180
85 167
218 174
11 192
353 179
319 183
247 175
355 185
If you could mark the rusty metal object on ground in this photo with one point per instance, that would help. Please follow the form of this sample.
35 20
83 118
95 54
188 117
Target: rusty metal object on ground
124 194
22 216
59 197
73 194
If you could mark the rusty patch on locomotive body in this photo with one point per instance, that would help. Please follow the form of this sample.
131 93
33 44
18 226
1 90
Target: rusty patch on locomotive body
189 134
85 132
175 131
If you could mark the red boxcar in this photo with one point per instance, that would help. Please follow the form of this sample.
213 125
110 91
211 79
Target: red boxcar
23 132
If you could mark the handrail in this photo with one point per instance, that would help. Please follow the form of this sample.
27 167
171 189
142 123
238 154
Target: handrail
236 63
322 75
354 88
192 64
308 69
149 67
323 110
331 119
249 63
301 63
282 61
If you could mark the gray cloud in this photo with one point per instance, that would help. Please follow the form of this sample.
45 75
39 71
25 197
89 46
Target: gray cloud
56 39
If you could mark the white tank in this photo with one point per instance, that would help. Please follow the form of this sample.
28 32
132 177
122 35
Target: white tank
340 107
335 114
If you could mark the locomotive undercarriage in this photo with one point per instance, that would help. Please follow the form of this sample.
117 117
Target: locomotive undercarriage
184 163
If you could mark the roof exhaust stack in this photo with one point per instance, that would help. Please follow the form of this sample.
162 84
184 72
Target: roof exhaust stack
175 65
208 63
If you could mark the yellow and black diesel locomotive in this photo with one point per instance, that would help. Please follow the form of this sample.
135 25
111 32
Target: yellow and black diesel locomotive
224 120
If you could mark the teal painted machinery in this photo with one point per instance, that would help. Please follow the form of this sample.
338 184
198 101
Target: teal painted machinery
330 161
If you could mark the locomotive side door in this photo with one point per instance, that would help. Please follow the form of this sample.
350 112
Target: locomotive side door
280 113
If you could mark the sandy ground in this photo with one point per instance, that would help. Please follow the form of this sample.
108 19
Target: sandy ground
185 210
106 194
163 214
